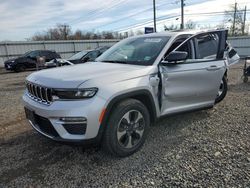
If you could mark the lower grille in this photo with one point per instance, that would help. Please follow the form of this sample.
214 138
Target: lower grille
45 126
78 129
39 93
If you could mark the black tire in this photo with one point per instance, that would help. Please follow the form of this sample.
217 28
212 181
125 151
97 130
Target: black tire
223 88
20 68
116 122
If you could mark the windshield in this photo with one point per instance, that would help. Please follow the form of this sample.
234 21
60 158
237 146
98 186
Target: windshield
137 51
26 54
31 54
78 55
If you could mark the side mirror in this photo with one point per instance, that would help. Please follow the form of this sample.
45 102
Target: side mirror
176 56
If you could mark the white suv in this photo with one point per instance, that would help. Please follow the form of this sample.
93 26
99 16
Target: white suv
113 100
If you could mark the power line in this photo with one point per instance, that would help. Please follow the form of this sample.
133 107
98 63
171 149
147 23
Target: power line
134 14
96 12
150 9
175 16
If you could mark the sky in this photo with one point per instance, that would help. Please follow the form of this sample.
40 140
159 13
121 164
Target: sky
19 20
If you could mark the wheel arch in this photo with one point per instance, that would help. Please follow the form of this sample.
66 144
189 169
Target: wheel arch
143 96
225 74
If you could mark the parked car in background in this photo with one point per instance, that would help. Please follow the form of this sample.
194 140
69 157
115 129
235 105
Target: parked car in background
114 100
57 63
29 60
87 55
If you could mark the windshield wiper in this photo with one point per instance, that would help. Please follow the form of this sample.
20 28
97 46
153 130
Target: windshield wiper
114 61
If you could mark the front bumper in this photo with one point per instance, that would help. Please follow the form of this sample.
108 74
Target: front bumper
7 66
48 123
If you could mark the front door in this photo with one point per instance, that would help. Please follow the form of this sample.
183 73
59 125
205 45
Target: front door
194 83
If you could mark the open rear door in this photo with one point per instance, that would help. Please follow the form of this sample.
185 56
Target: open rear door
231 55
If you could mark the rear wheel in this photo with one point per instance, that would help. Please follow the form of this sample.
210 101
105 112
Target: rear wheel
127 128
222 90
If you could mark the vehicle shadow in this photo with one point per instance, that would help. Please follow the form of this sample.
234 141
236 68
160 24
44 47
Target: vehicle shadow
4 72
33 156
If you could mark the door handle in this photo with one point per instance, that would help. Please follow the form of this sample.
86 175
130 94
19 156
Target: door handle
213 68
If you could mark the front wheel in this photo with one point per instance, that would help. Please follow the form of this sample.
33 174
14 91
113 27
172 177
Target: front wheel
127 128
20 68
222 90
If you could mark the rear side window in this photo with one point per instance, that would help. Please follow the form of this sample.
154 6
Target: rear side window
34 54
44 53
54 55
207 46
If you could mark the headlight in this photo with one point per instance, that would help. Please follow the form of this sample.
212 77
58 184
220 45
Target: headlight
74 93
13 61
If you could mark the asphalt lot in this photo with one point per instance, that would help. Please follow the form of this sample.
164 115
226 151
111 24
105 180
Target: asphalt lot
209 148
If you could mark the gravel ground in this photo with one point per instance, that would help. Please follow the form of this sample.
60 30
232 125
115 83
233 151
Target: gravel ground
209 148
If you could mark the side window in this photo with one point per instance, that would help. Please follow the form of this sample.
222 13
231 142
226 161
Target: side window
53 55
207 46
203 47
44 54
34 54
186 47
92 55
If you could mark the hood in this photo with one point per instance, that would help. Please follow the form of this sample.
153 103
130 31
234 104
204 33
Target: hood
73 76
20 59
10 60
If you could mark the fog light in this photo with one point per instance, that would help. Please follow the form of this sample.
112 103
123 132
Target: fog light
72 120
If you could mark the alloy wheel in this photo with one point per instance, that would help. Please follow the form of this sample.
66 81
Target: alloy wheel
221 89
130 129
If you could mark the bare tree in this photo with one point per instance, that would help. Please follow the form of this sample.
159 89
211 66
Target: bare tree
235 17
190 25
171 27
64 32
139 32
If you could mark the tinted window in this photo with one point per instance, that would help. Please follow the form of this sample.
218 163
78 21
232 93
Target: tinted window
207 46
32 54
92 55
45 53
78 55
186 47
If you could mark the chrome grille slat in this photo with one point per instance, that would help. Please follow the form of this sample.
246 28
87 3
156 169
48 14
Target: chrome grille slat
36 93
46 94
31 89
39 93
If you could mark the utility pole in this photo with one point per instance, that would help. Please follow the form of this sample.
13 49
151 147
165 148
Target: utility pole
235 10
244 21
154 16
182 14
